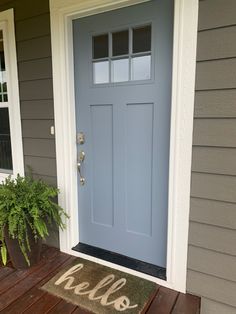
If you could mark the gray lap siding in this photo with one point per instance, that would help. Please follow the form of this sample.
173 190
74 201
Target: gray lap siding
212 231
33 44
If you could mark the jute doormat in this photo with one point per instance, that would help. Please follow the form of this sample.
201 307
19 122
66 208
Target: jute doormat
100 289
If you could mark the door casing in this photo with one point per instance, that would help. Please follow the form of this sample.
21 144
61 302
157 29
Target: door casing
183 81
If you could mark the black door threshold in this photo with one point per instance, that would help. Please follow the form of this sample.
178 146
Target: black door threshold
146 268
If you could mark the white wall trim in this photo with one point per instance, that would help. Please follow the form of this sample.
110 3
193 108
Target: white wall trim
184 62
13 104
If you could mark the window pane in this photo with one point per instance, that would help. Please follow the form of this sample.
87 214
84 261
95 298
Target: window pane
120 43
100 46
101 72
120 70
142 39
141 68
5 140
3 84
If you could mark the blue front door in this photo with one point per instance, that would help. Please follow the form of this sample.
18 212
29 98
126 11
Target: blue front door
123 62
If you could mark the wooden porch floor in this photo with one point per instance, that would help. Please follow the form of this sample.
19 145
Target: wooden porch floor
20 293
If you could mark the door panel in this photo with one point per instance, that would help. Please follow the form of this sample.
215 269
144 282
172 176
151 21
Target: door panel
123 97
138 170
102 166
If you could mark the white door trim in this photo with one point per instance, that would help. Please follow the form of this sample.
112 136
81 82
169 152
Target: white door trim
13 104
183 82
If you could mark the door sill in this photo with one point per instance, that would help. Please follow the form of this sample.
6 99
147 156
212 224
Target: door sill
134 264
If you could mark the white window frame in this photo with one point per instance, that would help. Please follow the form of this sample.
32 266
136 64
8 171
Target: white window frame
13 103
183 81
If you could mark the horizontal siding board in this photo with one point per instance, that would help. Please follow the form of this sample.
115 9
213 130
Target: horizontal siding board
37 129
25 9
39 147
216 13
41 166
214 160
216 213
37 109
37 26
214 187
214 132
213 238
36 90
50 180
4 2
34 49
35 69
212 263
215 104
217 43
53 238
213 307
221 290
217 74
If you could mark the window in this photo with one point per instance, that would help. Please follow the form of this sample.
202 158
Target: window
11 152
122 56
5 138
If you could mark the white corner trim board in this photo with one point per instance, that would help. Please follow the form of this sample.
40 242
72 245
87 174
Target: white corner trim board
13 104
183 81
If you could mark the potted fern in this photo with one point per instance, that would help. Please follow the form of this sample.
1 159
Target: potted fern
27 209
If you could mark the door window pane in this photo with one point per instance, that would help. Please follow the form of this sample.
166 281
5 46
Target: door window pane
5 140
119 58
100 46
141 68
142 39
120 43
101 72
120 70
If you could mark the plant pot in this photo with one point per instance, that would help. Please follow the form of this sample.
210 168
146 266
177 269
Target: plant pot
16 256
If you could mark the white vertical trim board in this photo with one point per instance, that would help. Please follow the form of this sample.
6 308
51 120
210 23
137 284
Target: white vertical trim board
13 103
184 60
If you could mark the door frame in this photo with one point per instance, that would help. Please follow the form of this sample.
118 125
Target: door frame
62 13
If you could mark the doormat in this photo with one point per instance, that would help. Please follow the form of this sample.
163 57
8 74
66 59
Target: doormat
101 289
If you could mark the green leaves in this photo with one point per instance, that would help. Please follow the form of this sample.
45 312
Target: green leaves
27 204
4 254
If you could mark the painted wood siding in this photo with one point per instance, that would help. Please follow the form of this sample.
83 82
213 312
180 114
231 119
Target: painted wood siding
212 232
33 43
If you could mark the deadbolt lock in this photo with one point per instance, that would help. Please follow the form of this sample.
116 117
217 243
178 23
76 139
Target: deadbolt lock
80 138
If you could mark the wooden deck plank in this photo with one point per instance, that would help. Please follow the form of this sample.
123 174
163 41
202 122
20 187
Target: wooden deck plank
63 307
164 301
186 304
32 295
43 305
5 271
80 311
30 281
12 279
